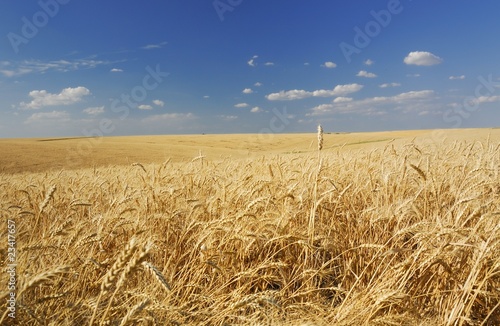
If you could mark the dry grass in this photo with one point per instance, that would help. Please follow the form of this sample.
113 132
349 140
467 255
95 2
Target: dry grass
398 235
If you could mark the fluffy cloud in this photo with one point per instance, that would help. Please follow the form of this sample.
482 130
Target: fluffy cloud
66 97
269 64
389 85
457 77
256 109
241 105
488 99
329 64
116 70
94 110
145 107
422 58
366 74
409 101
257 84
298 94
247 91
54 115
369 62
342 99
158 102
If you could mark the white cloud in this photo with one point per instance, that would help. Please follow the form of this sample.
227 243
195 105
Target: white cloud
389 85
409 101
247 91
269 64
256 109
422 58
298 94
116 70
158 103
154 46
251 62
457 77
411 95
228 117
66 97
36 66
307 64
342 99
94 110
488 99
295 94
206 96
329 64
366 74
368 62
170 117
145 107
241 105
257 84
54 115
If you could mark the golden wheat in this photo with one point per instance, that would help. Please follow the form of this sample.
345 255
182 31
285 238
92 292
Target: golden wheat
402 235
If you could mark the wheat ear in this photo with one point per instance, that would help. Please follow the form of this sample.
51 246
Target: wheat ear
135 310
111 275
48 197
320 137
44 277
157 275
130 268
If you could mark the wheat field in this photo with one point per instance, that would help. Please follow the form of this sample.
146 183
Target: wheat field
406 232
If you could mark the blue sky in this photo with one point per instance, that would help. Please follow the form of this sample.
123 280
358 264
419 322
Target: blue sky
78 68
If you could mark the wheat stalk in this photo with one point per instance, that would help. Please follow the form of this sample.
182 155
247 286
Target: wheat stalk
48 196
139 165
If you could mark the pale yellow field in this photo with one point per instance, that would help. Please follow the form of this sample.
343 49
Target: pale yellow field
393 228
36 155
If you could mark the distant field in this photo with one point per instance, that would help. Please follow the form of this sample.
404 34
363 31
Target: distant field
36 155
